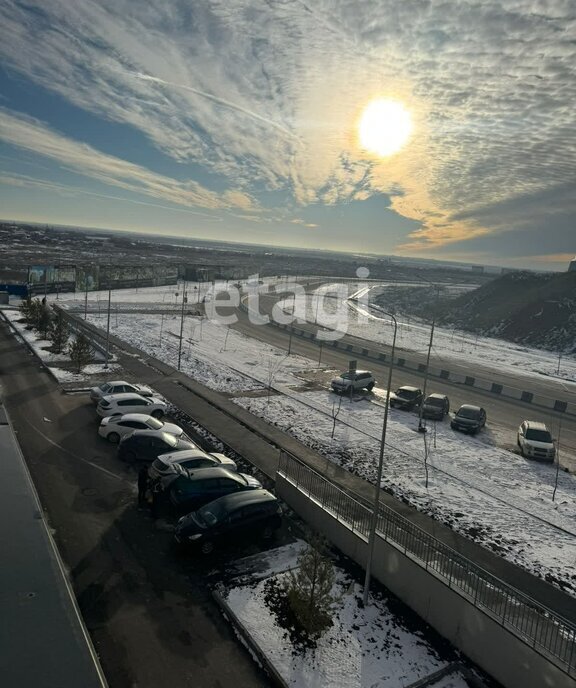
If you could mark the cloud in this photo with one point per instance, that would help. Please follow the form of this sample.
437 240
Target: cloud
31 135
267 96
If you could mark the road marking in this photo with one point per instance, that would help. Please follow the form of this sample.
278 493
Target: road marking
79 458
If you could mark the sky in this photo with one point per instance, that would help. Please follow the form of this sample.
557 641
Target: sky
238 120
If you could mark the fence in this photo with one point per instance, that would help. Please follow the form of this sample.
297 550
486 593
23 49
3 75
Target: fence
542 629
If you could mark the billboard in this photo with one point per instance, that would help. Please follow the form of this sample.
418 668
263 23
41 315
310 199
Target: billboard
48 279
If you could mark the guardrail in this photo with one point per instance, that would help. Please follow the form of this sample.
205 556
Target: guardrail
545 631
310 332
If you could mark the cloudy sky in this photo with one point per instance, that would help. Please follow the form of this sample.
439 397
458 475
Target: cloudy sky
238 120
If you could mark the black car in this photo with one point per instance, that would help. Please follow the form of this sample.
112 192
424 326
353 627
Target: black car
406 398
435 406
240 516
147 445
469 419
193 489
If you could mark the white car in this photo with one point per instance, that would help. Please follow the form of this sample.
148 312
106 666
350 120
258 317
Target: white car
535 441
113 428
120 404
166 464
119 387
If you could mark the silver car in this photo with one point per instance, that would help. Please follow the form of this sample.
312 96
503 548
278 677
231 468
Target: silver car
167 464
113 428
119 387
120 404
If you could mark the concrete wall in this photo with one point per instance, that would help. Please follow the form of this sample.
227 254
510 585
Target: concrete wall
499 652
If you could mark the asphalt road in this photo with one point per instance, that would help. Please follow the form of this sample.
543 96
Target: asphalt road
504 415
147 607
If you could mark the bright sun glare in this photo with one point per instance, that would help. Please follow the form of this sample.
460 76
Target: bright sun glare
384 127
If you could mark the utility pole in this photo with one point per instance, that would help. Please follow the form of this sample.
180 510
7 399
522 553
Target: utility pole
108 328
184 301
85 296
421 426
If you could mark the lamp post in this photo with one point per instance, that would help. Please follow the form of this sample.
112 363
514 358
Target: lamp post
374 520
184 300
108 328
421 425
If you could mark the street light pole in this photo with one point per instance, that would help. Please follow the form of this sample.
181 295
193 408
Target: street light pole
421 426
184 300
374 520
108 328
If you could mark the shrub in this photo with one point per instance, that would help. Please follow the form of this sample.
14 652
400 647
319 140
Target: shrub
81 352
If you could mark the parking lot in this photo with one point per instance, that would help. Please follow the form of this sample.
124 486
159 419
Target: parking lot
146 605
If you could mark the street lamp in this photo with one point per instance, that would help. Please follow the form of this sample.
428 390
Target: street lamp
184 301
374 520
421 425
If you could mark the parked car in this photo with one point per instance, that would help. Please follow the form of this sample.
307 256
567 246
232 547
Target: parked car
244 515
147 445
535 441
193 459
470 419
196 488
120 404
113 428
353 380
435 406
406 398
119 387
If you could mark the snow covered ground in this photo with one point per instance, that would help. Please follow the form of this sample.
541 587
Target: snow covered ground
364 648
490 494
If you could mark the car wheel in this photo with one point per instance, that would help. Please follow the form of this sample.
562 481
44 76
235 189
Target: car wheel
113 437
207 547
157 414
370 387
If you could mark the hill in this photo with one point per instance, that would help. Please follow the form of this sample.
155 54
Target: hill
529 308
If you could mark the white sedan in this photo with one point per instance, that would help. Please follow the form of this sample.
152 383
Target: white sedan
120 404
113 428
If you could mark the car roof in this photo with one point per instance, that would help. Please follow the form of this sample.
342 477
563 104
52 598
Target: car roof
124 395
216 472
246 497
152 433
179 456
142 417
536 425
410 388
435 395
470 407
115 382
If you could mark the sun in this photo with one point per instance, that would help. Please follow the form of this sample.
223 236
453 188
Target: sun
385 126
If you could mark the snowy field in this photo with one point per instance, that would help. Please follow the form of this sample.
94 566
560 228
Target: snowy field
360 318
489 494
364 648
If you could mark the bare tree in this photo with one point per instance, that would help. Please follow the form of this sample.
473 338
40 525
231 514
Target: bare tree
335 413
274 366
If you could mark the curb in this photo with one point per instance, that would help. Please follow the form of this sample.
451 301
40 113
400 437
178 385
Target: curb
249 641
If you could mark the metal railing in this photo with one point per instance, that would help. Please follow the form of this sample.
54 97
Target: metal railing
544 630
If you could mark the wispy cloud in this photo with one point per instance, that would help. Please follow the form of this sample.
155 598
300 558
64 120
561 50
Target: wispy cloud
267 95
31 135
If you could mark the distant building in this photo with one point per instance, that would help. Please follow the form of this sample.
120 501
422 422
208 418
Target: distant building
572 265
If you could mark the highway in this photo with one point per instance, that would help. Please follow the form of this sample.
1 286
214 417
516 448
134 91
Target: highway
504 415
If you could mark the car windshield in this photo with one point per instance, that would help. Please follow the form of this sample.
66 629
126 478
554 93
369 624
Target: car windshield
406 393
348 376
105 387
210 514
434 401
538 435
154 424
468 413
170 440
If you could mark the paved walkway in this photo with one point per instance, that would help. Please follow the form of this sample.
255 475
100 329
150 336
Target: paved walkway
43 641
